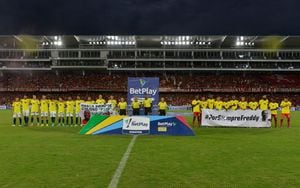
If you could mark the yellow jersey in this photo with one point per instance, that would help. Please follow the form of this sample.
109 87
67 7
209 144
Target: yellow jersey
234 104
35 105
113 102
100 101
196 105
61 107
17 107
285 107
203 104
273 107
147 103
263 104
44 105
253 105
227 105
77 105
243 105
122 105
25 104
52 105
218 105
210 103
70 106
135 104
162 105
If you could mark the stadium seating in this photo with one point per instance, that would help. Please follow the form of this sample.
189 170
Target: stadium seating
178 89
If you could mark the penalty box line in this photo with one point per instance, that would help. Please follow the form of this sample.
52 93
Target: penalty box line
118 173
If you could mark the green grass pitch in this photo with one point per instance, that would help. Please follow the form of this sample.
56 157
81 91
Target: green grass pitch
215 157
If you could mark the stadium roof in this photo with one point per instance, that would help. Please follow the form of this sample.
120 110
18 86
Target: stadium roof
148 41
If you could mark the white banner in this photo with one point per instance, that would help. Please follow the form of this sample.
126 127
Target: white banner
99 109
236 118
136 125
3 107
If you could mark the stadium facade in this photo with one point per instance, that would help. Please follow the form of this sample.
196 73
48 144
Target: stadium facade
88 65
162 53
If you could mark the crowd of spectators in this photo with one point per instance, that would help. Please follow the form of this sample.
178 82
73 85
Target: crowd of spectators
177 88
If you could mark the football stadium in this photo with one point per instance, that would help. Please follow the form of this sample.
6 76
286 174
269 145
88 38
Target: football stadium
149 111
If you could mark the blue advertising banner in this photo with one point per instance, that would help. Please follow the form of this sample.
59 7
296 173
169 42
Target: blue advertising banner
141 87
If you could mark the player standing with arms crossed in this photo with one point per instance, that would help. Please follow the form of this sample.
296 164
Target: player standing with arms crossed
210 102
17 112
263 106
274 107
196 110
285 112
44 110
61 112
70 111
35 110
25 109
253 105
243 104
233 103
218 104
52 110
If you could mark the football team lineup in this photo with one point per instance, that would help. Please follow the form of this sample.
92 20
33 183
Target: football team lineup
149 111
27 110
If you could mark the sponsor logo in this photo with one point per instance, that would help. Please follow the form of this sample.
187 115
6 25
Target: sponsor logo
162 129
143 82
166 124
136 125
142 91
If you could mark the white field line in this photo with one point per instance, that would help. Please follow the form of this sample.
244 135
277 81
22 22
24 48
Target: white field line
117 175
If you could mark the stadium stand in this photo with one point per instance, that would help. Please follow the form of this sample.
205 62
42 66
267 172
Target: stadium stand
186 65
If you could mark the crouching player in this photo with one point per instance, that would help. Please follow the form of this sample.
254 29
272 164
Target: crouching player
52 109
17 112
44 110
285 112
274 107
61 112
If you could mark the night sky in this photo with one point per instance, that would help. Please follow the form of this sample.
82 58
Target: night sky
99 17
